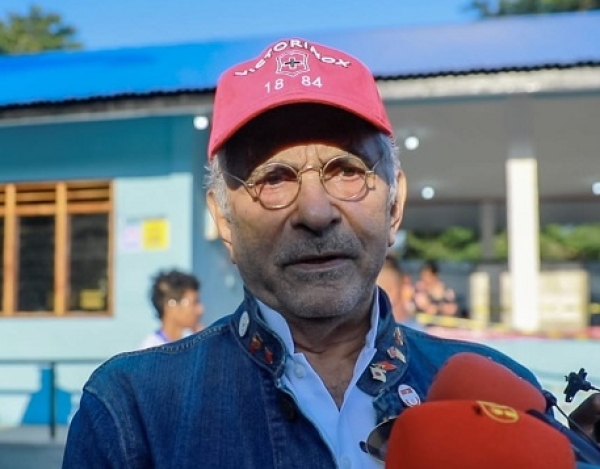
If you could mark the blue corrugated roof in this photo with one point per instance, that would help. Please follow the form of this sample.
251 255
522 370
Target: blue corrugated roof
562 40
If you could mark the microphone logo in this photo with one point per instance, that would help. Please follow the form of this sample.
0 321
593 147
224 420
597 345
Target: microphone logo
499 413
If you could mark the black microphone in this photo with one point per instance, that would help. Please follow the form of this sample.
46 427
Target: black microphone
576 382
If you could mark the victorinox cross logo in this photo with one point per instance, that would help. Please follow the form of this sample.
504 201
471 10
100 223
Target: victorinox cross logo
292 63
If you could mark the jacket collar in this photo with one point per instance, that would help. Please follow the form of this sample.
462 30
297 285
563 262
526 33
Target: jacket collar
267 350
255 337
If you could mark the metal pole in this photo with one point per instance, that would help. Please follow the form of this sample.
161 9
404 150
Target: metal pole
52 400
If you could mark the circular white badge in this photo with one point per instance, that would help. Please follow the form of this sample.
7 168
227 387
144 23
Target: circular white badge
244 323
408 395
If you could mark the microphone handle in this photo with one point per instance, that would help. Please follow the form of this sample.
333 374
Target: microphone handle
584 450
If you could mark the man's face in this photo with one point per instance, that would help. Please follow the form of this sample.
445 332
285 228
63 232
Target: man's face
427 276
187 311
320 256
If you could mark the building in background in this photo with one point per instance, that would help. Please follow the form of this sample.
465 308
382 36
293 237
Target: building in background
102 159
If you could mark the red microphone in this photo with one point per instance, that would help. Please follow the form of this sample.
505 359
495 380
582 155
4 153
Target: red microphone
475 416
470 376
474 435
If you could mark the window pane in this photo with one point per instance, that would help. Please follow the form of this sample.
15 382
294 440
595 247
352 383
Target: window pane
36 264
89 262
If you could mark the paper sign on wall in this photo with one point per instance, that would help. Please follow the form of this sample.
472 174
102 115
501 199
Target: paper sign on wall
155 234
131 237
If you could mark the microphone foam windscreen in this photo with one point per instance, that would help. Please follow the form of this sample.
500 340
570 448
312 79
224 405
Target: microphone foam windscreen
474 435
469 376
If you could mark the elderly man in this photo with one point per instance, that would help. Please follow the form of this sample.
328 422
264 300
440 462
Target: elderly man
307 193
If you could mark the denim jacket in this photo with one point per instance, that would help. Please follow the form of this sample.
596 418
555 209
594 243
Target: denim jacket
216 399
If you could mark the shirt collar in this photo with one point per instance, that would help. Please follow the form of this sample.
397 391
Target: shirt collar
279 325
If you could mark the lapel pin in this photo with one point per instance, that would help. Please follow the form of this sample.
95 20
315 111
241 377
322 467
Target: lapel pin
393 352
255 343
398 336
408 395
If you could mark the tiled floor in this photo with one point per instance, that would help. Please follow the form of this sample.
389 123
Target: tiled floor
31 447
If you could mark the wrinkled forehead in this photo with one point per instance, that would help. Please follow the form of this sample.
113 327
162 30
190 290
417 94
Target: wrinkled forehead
301 124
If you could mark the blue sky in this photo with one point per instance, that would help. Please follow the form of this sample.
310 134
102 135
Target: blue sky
106 24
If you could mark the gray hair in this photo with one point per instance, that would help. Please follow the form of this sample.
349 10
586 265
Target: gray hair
389 166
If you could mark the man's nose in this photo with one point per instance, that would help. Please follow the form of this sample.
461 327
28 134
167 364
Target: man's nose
314 207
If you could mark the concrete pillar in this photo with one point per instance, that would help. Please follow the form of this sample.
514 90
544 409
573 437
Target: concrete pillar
487 229
522 217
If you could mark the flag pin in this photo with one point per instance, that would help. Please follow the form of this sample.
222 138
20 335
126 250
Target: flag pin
393 352
255 343
398 336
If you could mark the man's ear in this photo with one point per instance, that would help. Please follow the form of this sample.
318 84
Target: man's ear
221 221
397 208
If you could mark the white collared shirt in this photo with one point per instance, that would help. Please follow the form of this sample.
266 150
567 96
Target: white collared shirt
342 429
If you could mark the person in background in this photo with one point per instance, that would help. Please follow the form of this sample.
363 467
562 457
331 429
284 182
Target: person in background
305 188
399 288
432 296
175 296
587 417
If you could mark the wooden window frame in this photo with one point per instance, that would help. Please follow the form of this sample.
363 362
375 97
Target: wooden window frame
60 199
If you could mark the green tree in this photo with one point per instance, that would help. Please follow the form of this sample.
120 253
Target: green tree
581 242
35 31
455 243
557 243
488 8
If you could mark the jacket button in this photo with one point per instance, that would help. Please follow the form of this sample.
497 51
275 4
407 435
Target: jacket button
299 371
345 462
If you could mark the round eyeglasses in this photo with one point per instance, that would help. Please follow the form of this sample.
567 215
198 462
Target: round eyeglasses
277 185
183 302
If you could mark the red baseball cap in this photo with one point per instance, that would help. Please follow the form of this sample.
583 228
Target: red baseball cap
293 71
474 435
